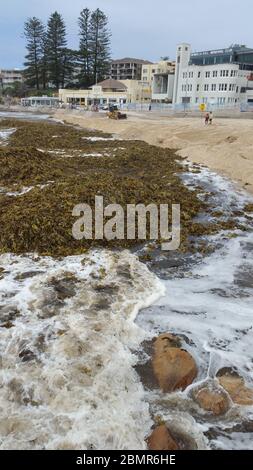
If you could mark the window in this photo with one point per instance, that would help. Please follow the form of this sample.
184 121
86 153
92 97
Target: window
153 70
207 74
145 71
199 74
206 87
196 100
223 87
213 86
215 73
221 100
198 86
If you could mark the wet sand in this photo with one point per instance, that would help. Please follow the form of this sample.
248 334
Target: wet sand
226 146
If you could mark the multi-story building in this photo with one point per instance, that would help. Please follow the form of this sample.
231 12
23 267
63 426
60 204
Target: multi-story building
127 69
160 77
217 77
107 92
9 76
161 67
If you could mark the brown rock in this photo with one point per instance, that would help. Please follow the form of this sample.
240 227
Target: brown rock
235 386
161 439
174 368
211 398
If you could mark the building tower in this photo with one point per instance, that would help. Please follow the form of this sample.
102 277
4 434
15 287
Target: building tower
182 60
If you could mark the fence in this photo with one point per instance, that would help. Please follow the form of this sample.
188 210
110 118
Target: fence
185 107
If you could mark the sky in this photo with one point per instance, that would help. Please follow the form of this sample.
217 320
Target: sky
146 29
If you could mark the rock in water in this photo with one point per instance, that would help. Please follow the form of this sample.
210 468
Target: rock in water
235 386
161 439
210 397
174 368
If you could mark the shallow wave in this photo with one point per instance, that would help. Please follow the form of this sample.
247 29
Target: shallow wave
208 304
67 352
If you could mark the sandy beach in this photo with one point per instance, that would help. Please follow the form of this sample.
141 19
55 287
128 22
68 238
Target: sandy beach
226 146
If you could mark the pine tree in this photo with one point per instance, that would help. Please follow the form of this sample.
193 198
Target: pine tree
56 49
85 79
33 31
70 68
99 45
44 62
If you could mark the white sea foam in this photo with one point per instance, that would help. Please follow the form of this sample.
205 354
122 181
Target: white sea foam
24 190
66 364
5 134
98 139
210 306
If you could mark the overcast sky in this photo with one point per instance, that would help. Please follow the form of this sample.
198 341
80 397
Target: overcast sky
145 29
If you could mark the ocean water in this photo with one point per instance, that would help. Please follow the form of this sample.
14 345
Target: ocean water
72 333
208 303
67 377
25 115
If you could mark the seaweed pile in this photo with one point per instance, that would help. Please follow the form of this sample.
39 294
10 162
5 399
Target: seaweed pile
51 167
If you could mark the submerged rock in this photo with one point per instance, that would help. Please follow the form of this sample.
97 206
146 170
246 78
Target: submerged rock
169 437
235 386
174 368
161 439
210 397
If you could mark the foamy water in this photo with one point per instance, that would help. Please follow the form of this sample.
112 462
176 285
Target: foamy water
209 305
67 356
5 134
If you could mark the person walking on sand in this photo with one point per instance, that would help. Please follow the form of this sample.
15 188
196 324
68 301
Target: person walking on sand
211 117
206 118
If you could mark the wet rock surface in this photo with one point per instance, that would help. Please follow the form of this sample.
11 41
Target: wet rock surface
174 368
211 398
235 386
166 365
166 437
161 439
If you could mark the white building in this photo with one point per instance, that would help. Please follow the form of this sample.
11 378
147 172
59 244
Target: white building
38 101
10 76
108 92
160 77
218 77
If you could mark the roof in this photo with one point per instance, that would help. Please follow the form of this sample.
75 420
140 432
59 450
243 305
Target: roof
127 60
112 84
